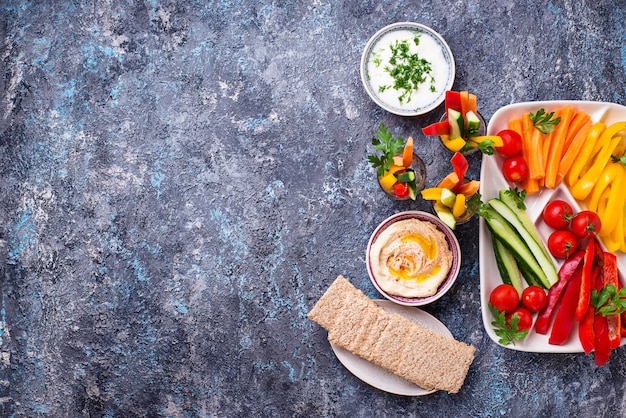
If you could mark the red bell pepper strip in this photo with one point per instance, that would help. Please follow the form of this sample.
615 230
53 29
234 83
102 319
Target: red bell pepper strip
570 265
586 284
437 129
609 276
601 342
460 165
564 318
453 101
586 335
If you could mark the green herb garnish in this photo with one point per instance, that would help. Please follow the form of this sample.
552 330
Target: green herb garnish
543 121
408 70
389 146
507 331
475 205
518 197
608 301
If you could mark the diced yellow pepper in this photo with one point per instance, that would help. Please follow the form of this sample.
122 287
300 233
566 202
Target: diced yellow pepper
387 181
454 144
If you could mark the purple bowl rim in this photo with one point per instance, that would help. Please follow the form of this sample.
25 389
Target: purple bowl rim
452 242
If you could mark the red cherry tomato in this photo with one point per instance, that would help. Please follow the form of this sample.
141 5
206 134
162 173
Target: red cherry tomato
525 318
534 298
512 143
401 190
515 169
562 243
504 298
558 214
586 224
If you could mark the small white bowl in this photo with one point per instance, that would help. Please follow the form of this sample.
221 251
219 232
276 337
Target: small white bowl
453 243
433 48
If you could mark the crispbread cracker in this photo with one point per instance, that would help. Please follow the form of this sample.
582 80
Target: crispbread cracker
358 324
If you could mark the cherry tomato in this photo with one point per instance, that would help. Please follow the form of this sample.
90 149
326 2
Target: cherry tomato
586 224
525 318
515 169
512 143
504 298
558 214
562 243
534 298
401 190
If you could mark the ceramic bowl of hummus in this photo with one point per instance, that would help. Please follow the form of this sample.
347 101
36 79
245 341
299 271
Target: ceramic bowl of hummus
413 258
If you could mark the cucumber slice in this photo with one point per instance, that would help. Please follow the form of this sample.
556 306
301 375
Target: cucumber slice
502 230
406 176
547 272
455 120
473 124
445 214
507 266
506 195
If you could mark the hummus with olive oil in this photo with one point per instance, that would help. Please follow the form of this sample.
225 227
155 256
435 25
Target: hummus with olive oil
410 258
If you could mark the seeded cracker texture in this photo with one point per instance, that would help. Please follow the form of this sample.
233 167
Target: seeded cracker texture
358 324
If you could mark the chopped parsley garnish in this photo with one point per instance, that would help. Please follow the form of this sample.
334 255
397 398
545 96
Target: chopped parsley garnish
408 70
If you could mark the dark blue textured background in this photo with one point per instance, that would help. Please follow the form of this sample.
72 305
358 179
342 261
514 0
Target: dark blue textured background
181 181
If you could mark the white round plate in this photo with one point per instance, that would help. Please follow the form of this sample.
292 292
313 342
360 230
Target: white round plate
378 377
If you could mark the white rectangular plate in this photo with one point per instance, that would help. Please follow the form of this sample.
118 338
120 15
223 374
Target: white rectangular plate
492 181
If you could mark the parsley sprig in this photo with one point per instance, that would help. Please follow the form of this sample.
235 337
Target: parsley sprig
486 146
518 197
388 145
508 332
543 121
608 301
475 205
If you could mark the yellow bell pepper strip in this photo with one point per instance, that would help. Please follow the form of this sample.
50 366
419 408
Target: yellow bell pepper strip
616 200
584 155
497 141
609 174
432 193
459 206
581 189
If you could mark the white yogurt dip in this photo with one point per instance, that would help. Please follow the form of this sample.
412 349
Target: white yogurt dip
423 72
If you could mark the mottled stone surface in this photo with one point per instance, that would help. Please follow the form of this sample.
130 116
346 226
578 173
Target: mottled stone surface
180 182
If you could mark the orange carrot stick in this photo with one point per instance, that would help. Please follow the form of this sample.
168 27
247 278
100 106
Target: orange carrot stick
533 139
472 103
557 145
578 122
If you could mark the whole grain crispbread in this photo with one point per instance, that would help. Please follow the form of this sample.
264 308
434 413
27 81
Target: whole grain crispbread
419 355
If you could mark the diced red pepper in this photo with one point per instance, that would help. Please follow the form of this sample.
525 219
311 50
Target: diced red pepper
585 284
601 343
564 318
453 100
567 270
585 330
460 165
609 276
437 129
